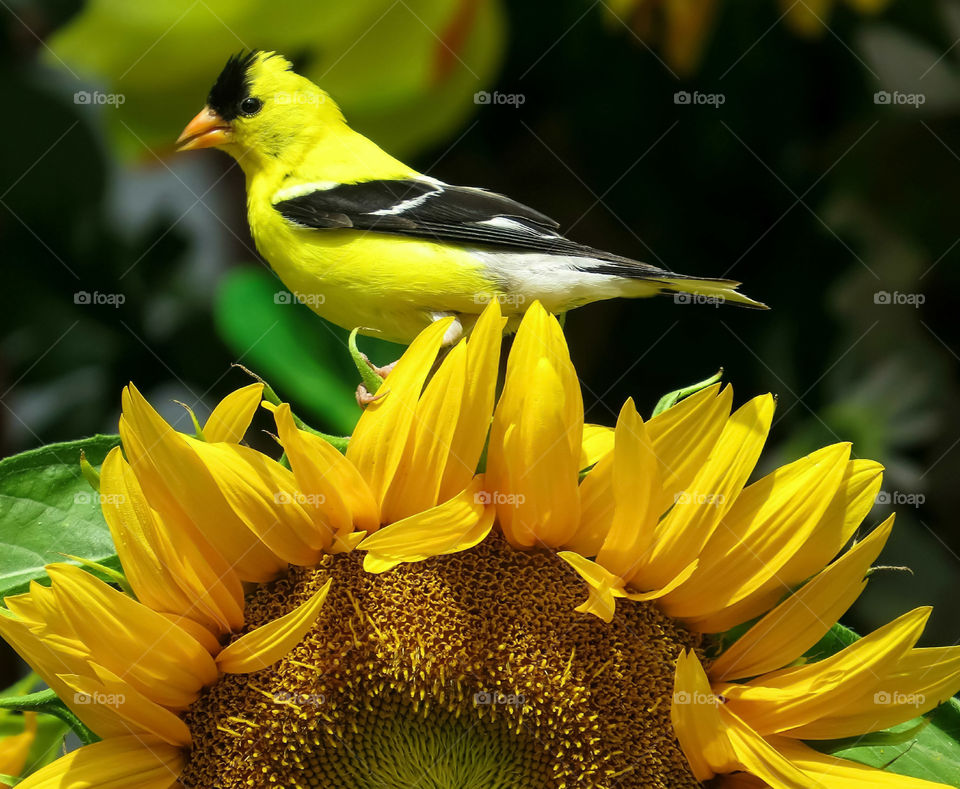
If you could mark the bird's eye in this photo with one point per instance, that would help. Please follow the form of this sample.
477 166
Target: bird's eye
250 105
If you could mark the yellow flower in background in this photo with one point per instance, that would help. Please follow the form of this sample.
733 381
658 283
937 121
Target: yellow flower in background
405 72
15 749
396 617
680 29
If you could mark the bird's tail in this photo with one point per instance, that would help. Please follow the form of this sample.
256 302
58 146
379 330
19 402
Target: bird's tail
690 290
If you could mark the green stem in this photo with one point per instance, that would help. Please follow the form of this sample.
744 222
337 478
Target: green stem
368 373
47 702
338 442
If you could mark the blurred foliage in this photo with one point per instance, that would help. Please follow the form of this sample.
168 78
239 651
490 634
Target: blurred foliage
285 343
803 183
403 72
680 29
27 741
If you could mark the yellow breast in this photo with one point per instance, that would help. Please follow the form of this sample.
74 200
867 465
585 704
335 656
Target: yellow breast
386 284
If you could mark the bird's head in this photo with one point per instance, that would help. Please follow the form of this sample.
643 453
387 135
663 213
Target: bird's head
259 107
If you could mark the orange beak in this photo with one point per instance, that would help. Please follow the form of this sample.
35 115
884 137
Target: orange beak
206 130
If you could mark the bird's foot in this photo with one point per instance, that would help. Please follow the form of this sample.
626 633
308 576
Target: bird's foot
363 395
364 398
384 371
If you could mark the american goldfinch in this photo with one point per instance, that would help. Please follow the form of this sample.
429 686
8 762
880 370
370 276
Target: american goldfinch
368 242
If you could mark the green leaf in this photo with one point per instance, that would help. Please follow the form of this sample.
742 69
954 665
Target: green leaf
837 638
931 751
672 398
48 509
933 754
305 357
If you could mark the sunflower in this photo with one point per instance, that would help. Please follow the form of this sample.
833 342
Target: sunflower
393 618
15 749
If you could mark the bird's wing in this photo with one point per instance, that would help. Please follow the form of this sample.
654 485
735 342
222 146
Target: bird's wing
429 209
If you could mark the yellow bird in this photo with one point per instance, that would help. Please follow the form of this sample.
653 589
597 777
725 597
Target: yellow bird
368 242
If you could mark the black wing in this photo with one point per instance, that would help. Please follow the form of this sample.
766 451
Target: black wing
437 212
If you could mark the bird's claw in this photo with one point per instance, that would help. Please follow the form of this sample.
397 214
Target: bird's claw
364 398
384 371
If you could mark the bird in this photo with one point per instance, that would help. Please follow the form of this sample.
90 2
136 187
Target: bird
369 243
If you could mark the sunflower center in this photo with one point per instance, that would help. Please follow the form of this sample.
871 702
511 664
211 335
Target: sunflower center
469 671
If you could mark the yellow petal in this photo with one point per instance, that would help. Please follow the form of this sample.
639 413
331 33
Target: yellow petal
159 659
49 660
921 680
715 741
533 461
132 524
171 568
596 508
638 496
695 713
338 495
264 496
801 620
264 646
15 749
838 773
378 441
685 435
483 364
763 529
415 486
682 436
755 755
105 688
793 697
854 499
117 763
202 634
231 419
698 511
597 442
179 486
456 525
603 587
